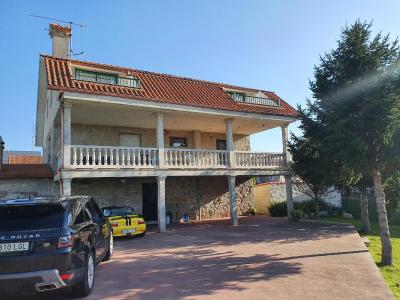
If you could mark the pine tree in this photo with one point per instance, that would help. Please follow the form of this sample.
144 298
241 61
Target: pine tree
357 103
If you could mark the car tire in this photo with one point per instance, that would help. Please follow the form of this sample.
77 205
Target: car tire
110 249
142 234
85 287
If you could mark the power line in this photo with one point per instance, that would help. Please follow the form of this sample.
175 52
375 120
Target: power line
61 21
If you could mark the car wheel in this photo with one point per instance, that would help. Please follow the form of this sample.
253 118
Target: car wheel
142 234
110 249
85 287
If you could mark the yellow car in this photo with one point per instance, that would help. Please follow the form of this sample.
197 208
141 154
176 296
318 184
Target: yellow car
124 221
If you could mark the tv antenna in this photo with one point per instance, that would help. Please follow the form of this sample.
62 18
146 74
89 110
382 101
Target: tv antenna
70 23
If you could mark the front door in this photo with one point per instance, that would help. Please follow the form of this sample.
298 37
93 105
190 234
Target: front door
149 196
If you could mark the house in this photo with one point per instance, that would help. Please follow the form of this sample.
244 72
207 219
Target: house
159 143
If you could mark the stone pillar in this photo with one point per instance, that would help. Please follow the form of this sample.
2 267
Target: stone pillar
160 139
289 194
66 186
197 139
284 129
229 142
232 200
161 203
66 111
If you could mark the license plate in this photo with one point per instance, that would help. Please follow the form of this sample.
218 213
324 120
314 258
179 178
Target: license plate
14 247
125 231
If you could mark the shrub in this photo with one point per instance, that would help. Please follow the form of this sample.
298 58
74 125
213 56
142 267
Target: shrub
307 208
296 215
278 209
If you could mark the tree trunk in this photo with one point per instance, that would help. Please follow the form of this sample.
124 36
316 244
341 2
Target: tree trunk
365 227
316 203
386 258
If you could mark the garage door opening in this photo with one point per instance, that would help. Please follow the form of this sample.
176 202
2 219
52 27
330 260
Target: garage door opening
149 205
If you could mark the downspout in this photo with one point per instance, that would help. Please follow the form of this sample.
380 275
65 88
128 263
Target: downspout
61 99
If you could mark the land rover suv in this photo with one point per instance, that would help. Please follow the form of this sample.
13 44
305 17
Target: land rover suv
49 244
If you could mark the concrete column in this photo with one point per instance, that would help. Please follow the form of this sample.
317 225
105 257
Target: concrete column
289 194
197 139
160 139
66 186
161 203
229 142
232 200
66 111
284 129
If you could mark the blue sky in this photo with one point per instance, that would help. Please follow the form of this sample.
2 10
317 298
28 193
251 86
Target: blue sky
270 45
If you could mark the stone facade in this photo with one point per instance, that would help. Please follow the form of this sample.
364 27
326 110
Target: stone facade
200 197
23 188
109 136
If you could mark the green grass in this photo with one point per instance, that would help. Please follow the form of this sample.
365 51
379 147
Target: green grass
390 273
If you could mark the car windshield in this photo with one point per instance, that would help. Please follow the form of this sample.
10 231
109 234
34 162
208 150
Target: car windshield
118 211
30 217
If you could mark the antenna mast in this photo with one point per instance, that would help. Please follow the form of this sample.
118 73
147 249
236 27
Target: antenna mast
70 23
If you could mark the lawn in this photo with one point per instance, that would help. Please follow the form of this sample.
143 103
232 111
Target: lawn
392 273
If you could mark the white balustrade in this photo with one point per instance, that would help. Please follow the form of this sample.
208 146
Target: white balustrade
256 160
90 156
195 158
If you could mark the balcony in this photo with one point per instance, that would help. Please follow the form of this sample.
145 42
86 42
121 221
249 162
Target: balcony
108 157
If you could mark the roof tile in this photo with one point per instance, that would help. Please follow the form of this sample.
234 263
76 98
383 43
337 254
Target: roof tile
159 88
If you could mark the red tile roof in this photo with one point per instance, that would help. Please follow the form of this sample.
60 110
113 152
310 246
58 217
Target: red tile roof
24 159
158 87
10 171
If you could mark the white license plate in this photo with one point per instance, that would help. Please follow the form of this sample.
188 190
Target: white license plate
125 231
14 247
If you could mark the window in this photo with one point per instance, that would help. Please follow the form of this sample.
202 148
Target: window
177 142
221 144
106 78
82 217
239 97
129 140
94 208
32 217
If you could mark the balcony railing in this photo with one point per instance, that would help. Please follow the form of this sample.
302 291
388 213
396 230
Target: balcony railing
97 157
190 158
243 98
258 159
88 156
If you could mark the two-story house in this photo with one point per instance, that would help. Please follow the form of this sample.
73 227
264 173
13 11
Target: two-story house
156 142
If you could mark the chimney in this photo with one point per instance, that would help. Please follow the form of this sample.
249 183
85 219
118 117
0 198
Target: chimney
61 36
1 152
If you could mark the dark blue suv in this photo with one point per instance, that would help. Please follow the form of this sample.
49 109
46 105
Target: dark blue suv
48 244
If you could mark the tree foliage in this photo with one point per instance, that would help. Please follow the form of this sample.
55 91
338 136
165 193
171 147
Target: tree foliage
356 110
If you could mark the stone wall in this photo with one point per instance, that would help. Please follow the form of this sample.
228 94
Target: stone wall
112 191
23 188
109 136
200 197
277 193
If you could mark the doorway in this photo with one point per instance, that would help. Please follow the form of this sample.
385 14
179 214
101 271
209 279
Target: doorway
149 204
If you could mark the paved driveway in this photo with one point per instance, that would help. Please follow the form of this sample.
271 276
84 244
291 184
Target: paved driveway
262 258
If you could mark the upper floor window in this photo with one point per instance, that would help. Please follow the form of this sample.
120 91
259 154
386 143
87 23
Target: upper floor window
252 99
239 97
177 142
106 78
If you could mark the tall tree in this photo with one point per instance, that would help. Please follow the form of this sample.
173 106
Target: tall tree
311 158
357 99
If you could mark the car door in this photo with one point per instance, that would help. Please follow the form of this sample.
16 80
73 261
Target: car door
101 229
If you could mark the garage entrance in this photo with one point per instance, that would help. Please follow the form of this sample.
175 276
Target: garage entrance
149 202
